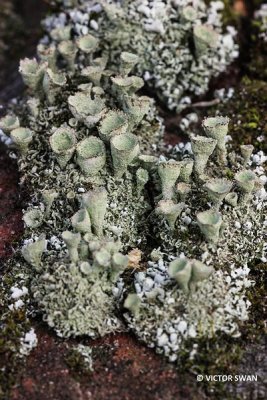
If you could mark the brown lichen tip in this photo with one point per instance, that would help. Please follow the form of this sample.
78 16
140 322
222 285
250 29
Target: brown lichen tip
134 258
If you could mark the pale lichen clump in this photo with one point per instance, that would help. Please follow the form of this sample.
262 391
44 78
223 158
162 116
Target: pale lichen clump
217 219
82 135
166 318
261 16
102 196
79 295
79 135
181 44
219 213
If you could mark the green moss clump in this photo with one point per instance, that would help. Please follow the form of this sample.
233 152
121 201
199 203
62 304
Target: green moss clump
248 111
13 326
80 360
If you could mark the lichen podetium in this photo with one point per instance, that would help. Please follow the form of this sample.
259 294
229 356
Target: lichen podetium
181 44
105 201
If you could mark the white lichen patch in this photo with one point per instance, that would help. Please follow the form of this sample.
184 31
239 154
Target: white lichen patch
104 192
177 59
167 317
28 342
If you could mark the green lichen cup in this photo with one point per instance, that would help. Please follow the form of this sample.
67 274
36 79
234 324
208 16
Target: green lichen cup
217 189
86 110
91 155
9 123
88 43
32 74
217 128
63 143
68 50
169 172
245 181
33 218
95 201
204 38
246 152
124 149
128 61
231 199
22 137
81 221
202 148
114 123
180 270
210 223
170 211
186 170
148 162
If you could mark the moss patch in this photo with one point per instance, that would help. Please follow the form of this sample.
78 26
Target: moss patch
13 326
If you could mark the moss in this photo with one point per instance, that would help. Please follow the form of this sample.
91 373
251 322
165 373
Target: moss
13 326
257 66
229 15
11 28
257 296
248 111
217 356
77 363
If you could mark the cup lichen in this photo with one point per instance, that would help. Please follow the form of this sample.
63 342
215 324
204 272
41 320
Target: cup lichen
104 193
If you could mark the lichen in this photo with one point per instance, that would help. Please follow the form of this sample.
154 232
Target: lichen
180 44
106 198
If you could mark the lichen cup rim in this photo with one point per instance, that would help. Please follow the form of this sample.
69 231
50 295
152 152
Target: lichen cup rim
86 107
9 122
183 188
29 66
9 118
209 217
66 46
177 265
69 140
57 77
189 13
247 146
201 139
170 164
124 142
167 206
129 57
245 176
220 186
21 133
115 119
213 122
83 42
90 147
206 33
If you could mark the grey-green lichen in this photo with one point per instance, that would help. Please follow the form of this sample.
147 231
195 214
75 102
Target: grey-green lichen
79 138
221 239
78 296
90 154
180 44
